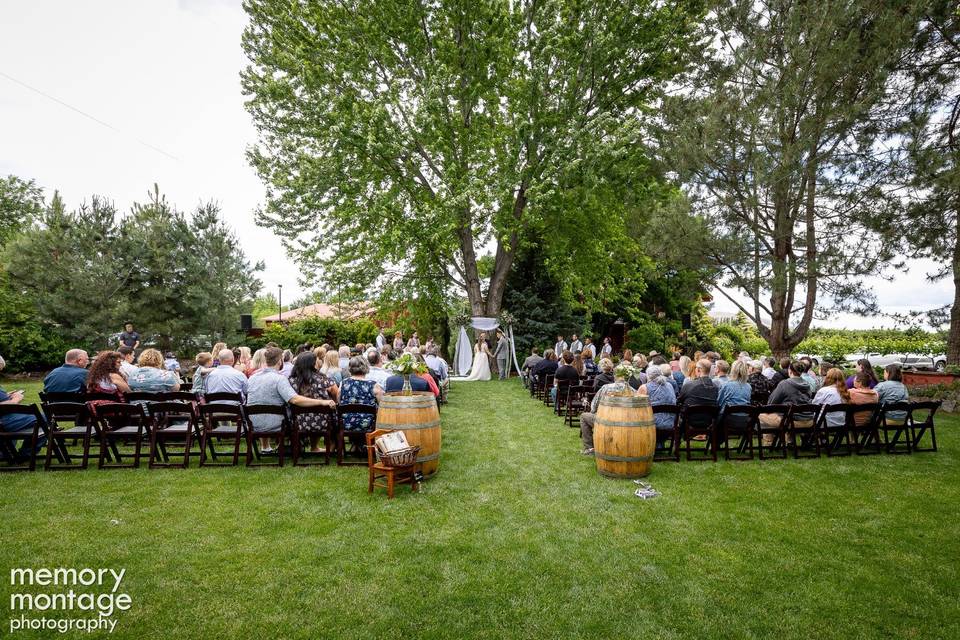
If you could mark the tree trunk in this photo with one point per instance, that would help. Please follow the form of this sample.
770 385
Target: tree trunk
953 339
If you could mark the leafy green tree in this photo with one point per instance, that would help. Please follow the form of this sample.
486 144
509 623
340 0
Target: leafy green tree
400 139
21 202
929 136
776 132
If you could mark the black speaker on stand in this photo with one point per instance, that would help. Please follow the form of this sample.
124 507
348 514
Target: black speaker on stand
246 322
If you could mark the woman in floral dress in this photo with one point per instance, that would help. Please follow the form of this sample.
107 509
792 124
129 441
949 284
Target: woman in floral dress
309 382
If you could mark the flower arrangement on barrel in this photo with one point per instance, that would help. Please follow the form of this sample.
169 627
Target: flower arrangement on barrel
407 365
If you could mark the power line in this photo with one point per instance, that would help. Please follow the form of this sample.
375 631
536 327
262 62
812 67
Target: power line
86 115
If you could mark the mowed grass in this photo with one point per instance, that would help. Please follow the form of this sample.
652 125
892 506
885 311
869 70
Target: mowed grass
516 537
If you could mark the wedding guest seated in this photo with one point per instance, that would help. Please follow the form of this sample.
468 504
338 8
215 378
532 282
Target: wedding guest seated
170 362
699 391
436 363
257 362
565 372
782 373
683 366
892 390
793 390
151 377
769 370
760 385
659 388
668 372
287 366
71 376
617 386
395 383
377 373
204 368
331 366
224 378
639 376
863 394
356 389
344 353
863 366
308 382
127 368
578 363
14 423
606 374
547 366
269 386
737 390
722 368
531 361
106 376
590 367
809 376
430 376
833 391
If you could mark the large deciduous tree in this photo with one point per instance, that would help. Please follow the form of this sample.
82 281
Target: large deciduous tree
777 132
402 140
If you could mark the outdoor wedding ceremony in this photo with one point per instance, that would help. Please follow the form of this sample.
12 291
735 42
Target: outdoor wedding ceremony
497 319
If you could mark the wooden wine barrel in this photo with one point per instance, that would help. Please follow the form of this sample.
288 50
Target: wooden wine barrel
624 436
419 419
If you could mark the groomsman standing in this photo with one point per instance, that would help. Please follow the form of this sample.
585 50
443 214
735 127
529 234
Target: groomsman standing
381 340
502 354
560 347
575 344
607 349
592 348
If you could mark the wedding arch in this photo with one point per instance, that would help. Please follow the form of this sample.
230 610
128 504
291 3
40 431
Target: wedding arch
463 356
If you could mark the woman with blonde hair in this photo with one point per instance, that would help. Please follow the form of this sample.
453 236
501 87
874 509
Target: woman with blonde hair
217 348
833 391
151 377
257 362
243 362
331 366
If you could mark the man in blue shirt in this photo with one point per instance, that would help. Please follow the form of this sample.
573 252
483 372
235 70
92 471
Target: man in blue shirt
71 377
395 383
226 379
16 422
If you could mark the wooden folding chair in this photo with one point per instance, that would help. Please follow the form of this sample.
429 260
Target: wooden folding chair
297 433
835 438
62 396
576 404
142 397
220 421
560 399
392 475
863 428
700 420
29 439
178 396
279 432
226 397
120 423
343 410
923 424
778 430
673 452
67 421
547 386
803 430
737 421
172 421
888 420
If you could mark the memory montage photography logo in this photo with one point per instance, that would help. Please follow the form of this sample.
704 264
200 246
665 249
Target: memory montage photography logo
64 599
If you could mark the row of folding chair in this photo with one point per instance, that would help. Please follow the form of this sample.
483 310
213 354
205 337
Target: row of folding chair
702 432
164 421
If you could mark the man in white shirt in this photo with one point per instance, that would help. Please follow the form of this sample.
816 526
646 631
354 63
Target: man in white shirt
607 349
377 373
127 368
768 371
435 362
560 347
592 348
381 340
575 344
226 379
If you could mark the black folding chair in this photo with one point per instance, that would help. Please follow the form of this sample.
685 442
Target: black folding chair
178 396
220 421
835 438
120 423
775 427
29 439
737 421
139 397
172 421
560 398
576 403
895 417
342 410
279 432
223 396
67 421
62 396
920 422
700 421
803 430
547 386
863 428
673 438
298 433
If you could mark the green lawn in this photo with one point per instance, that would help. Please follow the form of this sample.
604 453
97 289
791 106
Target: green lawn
517 536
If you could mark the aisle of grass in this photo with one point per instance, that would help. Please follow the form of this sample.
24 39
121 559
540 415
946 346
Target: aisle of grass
516 537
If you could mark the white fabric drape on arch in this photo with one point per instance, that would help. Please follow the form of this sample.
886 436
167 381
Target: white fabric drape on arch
463 356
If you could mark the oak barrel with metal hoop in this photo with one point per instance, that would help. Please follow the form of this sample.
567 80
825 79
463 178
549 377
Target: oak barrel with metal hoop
419 419
624 436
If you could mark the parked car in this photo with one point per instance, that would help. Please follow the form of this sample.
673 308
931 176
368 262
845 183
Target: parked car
907 361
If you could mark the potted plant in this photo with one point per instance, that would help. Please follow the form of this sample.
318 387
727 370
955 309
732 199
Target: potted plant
949 375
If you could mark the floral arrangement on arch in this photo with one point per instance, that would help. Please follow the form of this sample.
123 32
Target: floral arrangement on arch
506 319
406 365
461 319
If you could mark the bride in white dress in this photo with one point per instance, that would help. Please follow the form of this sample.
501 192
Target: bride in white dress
481 362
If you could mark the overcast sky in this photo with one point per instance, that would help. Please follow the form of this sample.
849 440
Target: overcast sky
164 75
